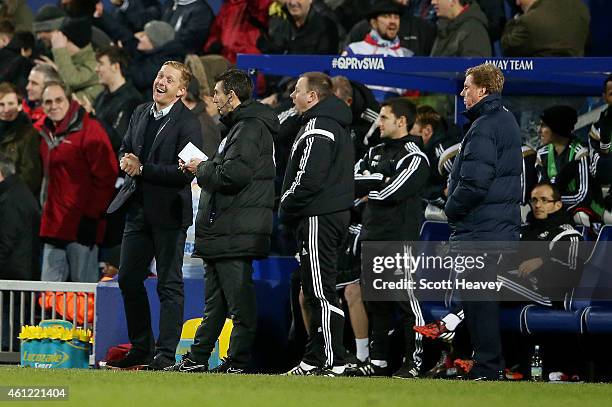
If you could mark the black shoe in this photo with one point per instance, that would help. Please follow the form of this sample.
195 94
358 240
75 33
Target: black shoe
188 365
300 371
160 362
407 371
227 366
473 376
326 372
444 369
131 361
353 367
366 369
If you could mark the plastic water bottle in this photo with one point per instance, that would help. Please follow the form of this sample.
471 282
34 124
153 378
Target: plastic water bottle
536 365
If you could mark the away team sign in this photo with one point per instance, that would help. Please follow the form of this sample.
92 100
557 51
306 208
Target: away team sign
372 63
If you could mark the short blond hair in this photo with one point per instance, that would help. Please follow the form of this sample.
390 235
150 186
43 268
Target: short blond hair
487 76
182 68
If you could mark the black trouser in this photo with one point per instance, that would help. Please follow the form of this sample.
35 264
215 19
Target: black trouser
228 291
481 312
141 242
320 240
382 322
604 168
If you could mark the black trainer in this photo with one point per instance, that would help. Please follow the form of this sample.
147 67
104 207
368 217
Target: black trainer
227 366
188 365
407 371
160 362
131 361
367 369
326 372
353 367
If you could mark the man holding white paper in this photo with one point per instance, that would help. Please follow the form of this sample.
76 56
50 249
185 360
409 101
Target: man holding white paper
157 195
234 221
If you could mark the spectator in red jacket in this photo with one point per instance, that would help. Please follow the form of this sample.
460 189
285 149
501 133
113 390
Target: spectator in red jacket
80 170
247 18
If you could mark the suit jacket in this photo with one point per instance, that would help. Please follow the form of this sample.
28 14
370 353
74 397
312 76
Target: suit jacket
166 190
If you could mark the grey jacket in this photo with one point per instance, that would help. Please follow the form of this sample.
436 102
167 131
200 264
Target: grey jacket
464 36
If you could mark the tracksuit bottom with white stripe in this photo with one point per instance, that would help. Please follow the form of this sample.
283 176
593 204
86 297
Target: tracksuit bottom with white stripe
320 240
382 323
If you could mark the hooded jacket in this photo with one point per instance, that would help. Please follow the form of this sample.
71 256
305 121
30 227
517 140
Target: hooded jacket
20 141
464 36
484 187
319 175
235 211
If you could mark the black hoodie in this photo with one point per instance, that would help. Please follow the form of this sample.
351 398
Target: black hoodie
235 211
319 176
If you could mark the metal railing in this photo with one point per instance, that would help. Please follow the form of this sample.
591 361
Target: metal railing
28 293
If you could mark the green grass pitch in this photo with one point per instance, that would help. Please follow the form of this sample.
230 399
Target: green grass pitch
135 389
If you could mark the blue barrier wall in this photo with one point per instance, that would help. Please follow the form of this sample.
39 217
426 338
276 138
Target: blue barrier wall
271 278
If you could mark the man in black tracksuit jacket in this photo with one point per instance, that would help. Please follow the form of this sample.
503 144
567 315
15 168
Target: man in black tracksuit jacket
316 197
234 222
392 176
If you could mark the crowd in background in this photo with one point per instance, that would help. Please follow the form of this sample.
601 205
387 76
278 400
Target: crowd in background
79 67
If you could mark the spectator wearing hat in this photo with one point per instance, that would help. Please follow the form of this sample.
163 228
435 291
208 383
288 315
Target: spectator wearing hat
563 161
211 134
74 57
462 30
383 40
415 33
48 19
191 20
148 50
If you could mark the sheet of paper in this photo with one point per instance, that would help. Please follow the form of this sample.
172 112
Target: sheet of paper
190 151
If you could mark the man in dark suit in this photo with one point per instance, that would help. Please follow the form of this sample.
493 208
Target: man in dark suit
158 199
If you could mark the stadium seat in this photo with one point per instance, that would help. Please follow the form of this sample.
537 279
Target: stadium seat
587 311
598 315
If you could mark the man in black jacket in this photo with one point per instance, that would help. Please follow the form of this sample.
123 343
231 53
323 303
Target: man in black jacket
316 197
300 29
429 125
484 196
391 175
234 222
19 244
113 107
158 199
20 220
